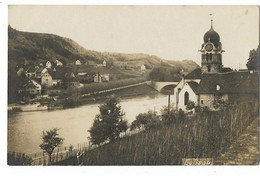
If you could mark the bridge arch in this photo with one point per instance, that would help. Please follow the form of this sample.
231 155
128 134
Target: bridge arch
163 86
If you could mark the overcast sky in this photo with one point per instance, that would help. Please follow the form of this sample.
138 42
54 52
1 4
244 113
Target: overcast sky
170 32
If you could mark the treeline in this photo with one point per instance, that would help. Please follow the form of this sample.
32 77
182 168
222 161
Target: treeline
205 135
166 74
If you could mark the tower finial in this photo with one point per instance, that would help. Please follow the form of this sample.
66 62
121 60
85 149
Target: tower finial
211 19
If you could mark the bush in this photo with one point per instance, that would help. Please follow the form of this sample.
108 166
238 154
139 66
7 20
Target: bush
190 105
149 121
18 159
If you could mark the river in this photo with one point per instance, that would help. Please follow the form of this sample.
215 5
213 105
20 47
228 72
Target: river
25 128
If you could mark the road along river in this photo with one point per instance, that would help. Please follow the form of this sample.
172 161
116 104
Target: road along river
25 128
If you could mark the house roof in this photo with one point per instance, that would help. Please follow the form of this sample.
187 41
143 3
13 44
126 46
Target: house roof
56 74
226 69
40 69
31 84
23 66
230 82
32 69
195 74
193 85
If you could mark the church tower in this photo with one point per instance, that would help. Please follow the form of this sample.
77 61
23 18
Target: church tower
211 52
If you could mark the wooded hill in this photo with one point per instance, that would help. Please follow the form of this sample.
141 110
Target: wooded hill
27 47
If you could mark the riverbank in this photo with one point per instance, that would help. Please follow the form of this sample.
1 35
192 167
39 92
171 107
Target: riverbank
138 91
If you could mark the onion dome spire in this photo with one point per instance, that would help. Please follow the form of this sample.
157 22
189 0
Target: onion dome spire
212 35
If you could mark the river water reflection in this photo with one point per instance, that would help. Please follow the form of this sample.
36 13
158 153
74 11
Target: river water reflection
25 128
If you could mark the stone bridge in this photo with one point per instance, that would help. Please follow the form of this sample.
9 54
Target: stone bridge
160 85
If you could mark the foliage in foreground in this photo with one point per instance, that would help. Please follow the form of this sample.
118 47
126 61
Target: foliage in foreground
205 135
109 123
50 141
18 159
149 121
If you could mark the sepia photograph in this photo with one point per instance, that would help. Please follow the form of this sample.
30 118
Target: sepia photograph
132 85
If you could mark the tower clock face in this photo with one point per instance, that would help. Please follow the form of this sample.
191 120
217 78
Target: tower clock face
209 47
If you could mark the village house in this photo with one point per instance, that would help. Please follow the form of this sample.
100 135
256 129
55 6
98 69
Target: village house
31 71
78 62
98 78
58 63
90 63
46 80
143 67
102 64
33 88
40 72
71 79
127 65
57 78
48 64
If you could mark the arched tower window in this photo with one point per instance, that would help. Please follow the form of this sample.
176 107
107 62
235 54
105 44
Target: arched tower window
186 98
210 56
209 68
217 87
207 57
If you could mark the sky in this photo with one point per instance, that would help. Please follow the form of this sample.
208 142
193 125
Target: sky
169 32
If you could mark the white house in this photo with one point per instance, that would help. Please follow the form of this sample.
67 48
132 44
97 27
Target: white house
48 64
104 63
40 72
143 67
33 88
46 80
58 63
101 78
78 62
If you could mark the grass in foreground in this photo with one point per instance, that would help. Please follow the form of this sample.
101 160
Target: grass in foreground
206 135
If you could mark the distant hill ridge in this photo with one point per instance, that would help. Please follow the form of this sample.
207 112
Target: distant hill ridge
28 47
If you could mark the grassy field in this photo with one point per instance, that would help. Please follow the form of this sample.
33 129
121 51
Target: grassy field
205 135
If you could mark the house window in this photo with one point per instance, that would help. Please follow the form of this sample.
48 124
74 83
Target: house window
201 101
186 98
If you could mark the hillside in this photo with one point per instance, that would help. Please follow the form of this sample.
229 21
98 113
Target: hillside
27 47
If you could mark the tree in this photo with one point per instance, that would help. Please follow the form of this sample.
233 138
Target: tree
165 74
149 120
253 60
50 141
109 123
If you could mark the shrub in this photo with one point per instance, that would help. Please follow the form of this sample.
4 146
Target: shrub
18 159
